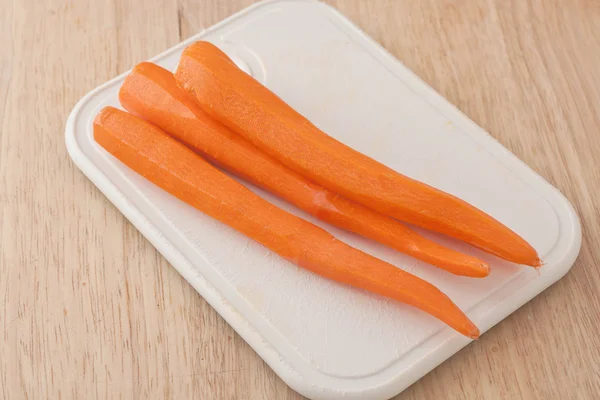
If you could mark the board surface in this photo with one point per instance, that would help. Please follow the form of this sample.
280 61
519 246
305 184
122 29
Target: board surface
323 339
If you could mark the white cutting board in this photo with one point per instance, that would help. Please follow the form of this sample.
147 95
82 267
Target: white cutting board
326 340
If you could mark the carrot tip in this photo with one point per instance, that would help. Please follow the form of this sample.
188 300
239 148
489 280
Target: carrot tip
538 264
486 269
480 270
473 333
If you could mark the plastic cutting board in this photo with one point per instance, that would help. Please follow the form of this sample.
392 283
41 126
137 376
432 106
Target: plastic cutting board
326 340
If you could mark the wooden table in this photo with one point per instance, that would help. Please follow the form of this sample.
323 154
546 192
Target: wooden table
89 309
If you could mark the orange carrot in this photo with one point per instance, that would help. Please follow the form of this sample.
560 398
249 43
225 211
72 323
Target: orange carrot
238 101
151 93
181 172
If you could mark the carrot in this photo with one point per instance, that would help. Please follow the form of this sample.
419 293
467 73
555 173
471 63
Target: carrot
151 93
182 173
248 108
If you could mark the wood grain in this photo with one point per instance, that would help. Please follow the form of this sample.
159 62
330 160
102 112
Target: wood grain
88 308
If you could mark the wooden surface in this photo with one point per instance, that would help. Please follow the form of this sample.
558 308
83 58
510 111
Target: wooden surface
88 308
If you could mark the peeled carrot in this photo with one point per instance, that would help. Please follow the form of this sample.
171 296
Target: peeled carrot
151 93
238 101
181 172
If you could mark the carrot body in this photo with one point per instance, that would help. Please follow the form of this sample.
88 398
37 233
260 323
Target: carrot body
248 108
151 93
182 173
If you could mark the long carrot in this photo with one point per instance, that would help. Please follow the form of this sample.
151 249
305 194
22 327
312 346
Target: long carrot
248 108
151 93
181 172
